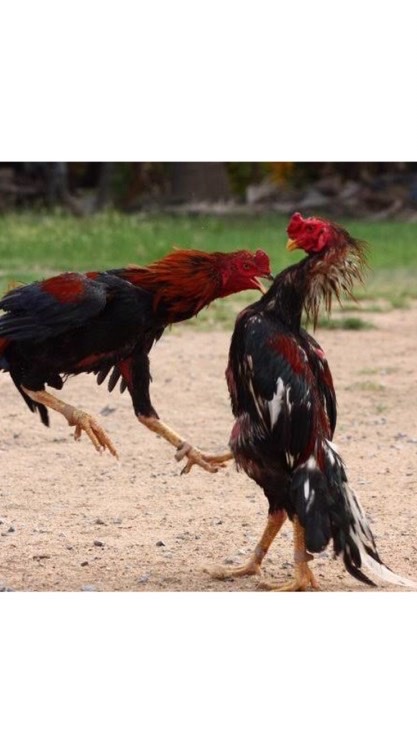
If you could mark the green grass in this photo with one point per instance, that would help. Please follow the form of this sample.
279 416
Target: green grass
343 323
35 245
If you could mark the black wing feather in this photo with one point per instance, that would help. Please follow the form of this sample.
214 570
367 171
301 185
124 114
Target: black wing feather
34 314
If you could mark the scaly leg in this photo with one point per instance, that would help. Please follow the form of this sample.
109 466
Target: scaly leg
209 462
253 566
304 577
75 417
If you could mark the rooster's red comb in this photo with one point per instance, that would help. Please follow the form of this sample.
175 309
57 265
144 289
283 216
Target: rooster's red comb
262 261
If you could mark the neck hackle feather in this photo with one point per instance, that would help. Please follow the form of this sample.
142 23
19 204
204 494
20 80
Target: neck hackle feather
183 281
333 273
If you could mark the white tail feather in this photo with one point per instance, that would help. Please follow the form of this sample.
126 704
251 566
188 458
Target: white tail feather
385 574
362 536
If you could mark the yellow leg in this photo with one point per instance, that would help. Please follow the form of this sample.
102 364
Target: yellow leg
303 577
209 462
253 566
75 417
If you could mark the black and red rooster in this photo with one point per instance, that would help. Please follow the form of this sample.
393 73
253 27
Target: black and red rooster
284 403
107 323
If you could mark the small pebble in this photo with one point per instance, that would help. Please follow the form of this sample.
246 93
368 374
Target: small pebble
143 579
160 543
88 588
84 564
107 410
99 522
98 543
10 530
228 560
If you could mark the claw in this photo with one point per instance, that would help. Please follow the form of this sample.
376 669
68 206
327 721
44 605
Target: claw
99 438
209 462
182 450
196 457
303 579
223 573
76 418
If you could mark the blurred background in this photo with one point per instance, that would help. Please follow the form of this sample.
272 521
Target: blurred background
365 189
58 216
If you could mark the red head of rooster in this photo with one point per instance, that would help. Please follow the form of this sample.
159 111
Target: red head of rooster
241 270
312 234
335 260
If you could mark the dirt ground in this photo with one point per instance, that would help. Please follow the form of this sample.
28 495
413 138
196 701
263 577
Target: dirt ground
74 520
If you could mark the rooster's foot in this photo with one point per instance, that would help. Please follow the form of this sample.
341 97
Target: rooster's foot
210 462
76 418
85 422
303 579
253 565
219 572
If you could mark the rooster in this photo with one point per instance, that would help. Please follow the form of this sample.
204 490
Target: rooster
106 323
284 404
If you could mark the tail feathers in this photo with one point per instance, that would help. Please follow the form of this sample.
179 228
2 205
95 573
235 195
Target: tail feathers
384 573
361 536
329 509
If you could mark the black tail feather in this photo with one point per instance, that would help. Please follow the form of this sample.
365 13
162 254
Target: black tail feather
356 572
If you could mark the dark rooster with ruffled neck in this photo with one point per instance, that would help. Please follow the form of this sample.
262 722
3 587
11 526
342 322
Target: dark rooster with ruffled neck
284 403
106 323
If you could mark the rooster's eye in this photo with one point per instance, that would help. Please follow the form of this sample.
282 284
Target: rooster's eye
246 267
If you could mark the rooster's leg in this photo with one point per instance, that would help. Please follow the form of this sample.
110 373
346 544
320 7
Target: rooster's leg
253 566
75 417
304 577
209 462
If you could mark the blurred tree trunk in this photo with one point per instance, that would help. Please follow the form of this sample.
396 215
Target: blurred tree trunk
56 182
104 186
57 191
198 181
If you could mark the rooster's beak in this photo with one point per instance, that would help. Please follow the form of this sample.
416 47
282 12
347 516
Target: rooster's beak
261 287
292 245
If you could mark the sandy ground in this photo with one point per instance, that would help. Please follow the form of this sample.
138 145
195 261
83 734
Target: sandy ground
74 520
